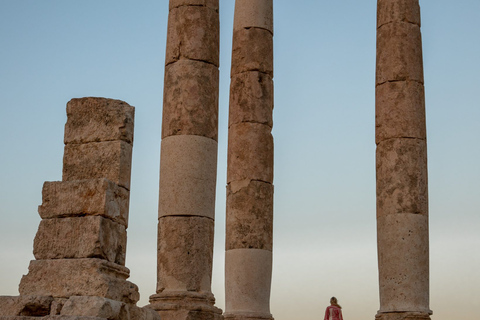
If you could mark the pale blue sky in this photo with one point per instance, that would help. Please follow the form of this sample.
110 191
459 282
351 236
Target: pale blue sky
324 240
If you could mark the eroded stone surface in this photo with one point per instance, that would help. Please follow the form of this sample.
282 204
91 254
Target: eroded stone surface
250 215
399 53
81 237
185 252
25 305
213 4
248 274
85 197
63 278
403 259
402 177
250 152
190 103
251 98
98 119
398 11
93 307
402 316
193 33
400 111
111 160
252 50
188 173
253 14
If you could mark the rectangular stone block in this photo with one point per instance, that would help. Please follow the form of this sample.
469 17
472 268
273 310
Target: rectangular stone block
213 4
63 278
398 11
250 152
98 119
249 221
399 53
188 175
193 33
93 307
252 50
251 98
111 160
402 177
81 237
185 253
403 262
25 306
253 14
190 103
92 197
400 111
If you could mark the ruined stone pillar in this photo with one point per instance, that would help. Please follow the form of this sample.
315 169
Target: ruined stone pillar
81 242
249 221
401 164
188 163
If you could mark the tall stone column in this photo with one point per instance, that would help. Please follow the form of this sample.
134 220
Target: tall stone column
188 163
249 221
401 164
80 245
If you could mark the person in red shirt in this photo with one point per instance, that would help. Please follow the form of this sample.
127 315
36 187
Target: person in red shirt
334 311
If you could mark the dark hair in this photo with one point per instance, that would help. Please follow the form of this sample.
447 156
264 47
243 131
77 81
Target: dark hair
334 302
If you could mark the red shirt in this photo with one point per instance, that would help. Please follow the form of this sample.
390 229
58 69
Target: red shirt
333 313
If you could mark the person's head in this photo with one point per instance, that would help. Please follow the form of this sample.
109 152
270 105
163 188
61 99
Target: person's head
334 302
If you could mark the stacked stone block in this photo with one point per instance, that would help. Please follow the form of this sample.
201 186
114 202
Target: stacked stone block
401 161
80 244
249 222
188 163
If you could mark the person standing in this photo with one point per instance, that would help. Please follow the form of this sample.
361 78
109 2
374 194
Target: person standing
334 310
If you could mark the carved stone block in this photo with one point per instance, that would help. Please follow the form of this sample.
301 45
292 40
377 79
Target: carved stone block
402 177
397 11
62 278
251 98
111 160
81 237
193 33
188 175
252 50
85 197
190 104
399 53
400 111
250 152
185 251
98 119
250 215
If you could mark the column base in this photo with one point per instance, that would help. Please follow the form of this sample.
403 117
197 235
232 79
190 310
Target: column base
185 305
402 316
247 316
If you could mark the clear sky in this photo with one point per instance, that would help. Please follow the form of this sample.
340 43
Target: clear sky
324 232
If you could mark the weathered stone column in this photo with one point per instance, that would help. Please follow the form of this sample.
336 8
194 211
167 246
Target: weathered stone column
80 245
401 161
249 222
188 163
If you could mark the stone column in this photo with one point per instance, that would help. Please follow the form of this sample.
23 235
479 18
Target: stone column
188 163
401 164
249 222
80 245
